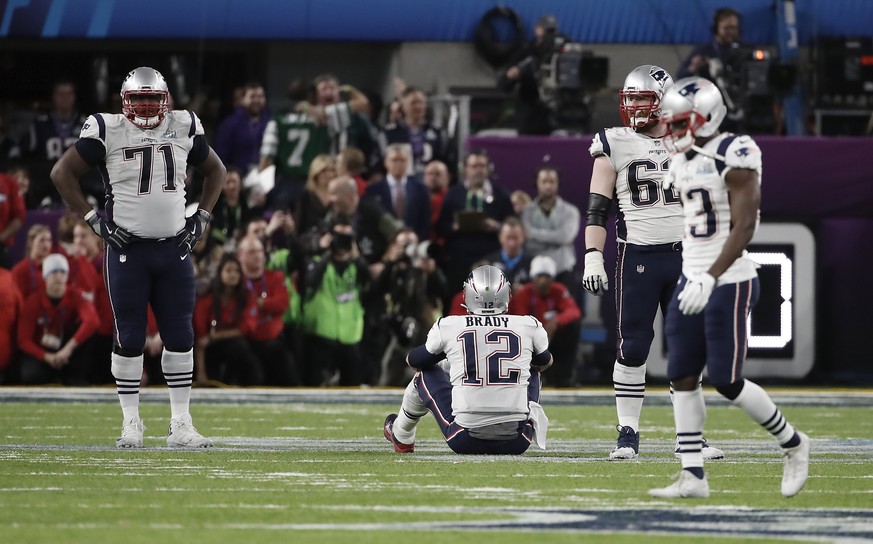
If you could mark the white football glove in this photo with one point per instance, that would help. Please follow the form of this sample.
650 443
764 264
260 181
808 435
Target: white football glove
595 281
696 293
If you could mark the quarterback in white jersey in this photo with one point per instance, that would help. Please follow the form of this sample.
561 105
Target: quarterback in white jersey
478 375
629 167
142 156
719 177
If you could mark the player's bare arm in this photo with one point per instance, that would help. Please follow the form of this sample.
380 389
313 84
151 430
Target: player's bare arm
745 195
602 184
358 101
214 172
65 175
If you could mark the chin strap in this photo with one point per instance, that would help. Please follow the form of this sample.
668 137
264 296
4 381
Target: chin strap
705 153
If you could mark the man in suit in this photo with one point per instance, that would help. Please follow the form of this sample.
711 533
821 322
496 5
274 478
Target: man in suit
403 196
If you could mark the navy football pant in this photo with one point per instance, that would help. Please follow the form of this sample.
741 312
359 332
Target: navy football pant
645 277
150 273
435 391
716 338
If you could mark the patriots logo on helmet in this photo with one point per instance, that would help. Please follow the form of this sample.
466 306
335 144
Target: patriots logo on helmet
659 74
691 88
742 152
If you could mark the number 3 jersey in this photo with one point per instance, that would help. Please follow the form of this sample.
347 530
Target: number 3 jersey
144 170
489 361
647 214
706 203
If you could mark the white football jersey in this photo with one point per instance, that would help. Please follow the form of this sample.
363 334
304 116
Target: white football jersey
489 364
706 203
145 170
647 214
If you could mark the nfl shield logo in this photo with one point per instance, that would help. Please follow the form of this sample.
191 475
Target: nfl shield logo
122 258
640 269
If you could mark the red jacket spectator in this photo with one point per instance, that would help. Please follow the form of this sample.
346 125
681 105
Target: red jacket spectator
74 316
28 276
557 304
230 317
269 301
456 308
10 306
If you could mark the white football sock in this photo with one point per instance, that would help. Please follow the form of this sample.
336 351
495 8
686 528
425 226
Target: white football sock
127 372
411 410
763 411
689 413
629 383
178 368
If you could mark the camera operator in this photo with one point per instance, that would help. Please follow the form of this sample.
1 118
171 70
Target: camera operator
533 115
413 287
333 314
721 61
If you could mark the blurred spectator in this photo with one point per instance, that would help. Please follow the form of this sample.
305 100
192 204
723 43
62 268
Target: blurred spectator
721 62
552 225
64 231
351 162
403 196
333 315
267 290
551 303
315 200
50 135
231 212
88 246
12 215
374 228
10 308
238 140
222 319
470 218
53 330
511 258
27 273
436 179
292 140
21 174
519 199
413 131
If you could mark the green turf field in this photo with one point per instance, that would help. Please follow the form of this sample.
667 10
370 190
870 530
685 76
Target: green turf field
315 468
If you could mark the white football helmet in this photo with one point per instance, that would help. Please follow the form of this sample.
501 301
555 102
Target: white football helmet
145 81
694 108
640 98
487 291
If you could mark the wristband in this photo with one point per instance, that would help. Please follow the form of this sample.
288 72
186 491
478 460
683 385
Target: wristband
590 249
91 213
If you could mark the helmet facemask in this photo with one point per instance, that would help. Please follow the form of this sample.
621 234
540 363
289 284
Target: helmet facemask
145 114
683 127
639 109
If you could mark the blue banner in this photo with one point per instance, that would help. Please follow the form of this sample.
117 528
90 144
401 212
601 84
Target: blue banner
585 21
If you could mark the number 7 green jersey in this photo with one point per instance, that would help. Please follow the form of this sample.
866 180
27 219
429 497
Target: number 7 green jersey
294 139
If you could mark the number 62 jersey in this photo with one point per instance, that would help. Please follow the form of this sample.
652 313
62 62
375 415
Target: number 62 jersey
144 170
489 360
647 214
706 203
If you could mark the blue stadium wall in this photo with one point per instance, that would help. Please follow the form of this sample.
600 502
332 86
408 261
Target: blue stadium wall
587 21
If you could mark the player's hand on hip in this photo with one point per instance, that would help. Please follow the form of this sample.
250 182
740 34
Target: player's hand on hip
696 293
193 230
594 280
114 235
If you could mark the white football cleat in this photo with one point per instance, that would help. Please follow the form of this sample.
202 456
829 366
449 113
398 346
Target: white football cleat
686 486
131 433
182 434
627 446
795 466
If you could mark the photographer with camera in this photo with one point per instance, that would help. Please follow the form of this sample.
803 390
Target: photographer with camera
413 288
333 313
721 61
533 115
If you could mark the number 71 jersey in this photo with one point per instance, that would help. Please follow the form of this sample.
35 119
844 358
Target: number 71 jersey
647 214
489 364
144 170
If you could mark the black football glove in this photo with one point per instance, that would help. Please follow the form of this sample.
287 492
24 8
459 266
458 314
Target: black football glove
190 234
114 235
